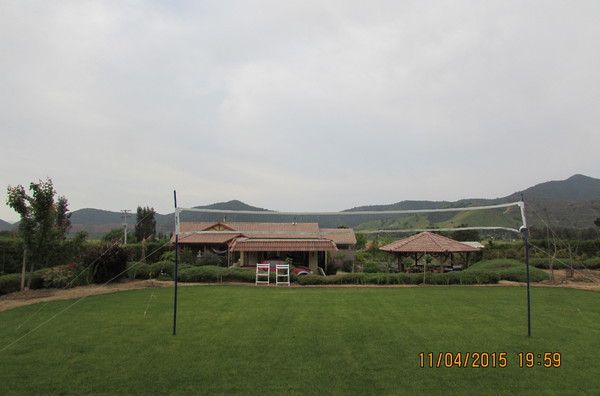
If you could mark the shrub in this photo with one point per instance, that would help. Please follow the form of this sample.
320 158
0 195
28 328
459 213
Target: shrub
507 269
562 263
106 262
162 267
37 280
592 263
168 256
162 270
138 270
207 273
210 258
371 267
315 279
186 255
451 278
10 283
213 273
343 260
242 275
62 276
154 250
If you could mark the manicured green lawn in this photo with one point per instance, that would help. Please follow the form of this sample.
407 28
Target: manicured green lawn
248 340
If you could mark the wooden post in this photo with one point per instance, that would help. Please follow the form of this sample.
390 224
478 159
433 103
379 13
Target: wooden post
424 271
400 264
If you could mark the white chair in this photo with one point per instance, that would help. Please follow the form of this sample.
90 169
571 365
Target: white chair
263 273
282 271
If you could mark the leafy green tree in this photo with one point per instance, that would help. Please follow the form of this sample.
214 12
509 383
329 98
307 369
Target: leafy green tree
146 224
44 222
464 235
361 241
115 235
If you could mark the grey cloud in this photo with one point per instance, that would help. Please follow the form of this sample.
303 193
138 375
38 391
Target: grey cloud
307 106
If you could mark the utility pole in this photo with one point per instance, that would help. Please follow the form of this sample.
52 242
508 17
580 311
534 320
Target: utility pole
125 215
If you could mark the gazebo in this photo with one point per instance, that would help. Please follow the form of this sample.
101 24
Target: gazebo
426 243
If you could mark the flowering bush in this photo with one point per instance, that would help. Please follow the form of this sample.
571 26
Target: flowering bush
62 276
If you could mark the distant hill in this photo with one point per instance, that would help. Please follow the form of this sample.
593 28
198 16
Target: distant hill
231 205
574 202
166 223
95 222
5 225
577 188
98 222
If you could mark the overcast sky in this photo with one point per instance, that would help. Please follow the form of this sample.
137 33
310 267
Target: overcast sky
296 105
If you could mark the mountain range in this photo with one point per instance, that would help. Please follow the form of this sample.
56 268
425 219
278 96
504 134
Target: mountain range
5 225
574 202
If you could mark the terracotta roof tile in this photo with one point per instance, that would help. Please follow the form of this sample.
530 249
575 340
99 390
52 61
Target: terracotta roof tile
282 245
427 242
259 230
341 236
215 237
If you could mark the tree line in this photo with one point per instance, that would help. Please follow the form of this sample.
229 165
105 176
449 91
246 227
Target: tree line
45 221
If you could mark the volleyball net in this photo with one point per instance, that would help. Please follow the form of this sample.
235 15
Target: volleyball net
499 219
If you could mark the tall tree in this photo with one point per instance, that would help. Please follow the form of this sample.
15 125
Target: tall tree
43 221
145 223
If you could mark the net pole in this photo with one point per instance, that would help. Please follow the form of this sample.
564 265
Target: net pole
525 231
528 283
175 273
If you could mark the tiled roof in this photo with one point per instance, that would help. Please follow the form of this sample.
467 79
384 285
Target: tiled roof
341 236
428 242
266 236
282 245
258 230
214 237
187 226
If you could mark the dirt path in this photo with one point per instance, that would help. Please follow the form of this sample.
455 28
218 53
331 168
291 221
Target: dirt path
18 299
28 297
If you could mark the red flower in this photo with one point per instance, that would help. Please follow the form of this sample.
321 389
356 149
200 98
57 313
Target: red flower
72 265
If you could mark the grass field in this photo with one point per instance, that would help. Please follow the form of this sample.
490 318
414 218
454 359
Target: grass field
240 339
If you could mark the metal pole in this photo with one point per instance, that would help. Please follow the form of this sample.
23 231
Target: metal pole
175 273
526 232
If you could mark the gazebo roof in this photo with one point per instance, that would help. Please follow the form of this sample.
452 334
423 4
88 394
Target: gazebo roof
428 242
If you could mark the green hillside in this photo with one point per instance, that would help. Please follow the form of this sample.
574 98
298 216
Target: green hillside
574 202
5 225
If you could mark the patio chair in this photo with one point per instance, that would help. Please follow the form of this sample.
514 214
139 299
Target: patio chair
263 273
282 274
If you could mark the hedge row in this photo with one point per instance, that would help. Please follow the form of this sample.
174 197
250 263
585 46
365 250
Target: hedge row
591 263
507 269
211 273
12 282
450 278
139 270
11 252
189 273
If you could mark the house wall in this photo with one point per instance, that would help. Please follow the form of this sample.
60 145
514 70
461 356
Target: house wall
248 258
